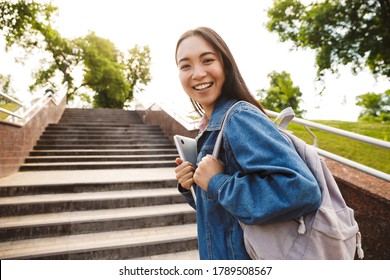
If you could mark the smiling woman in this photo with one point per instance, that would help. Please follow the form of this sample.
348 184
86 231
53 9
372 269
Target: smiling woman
226 184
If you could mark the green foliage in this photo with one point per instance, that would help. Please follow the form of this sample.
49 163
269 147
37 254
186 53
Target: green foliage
28 25
376 107
137 64
5 84
103 73
356 32
21 21
62 59
111 74
281 93
369 155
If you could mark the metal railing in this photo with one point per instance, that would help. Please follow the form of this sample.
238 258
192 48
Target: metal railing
358 137
307 124
188 119
26 111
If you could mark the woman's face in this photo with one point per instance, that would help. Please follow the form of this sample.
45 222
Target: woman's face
201 71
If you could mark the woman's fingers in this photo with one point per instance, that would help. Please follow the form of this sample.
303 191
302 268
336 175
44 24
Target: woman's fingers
184 174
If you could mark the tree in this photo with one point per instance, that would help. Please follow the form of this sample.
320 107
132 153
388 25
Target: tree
111 74
103 72
281 93
29 25
137 68
376 107
114 76
21 21
355 33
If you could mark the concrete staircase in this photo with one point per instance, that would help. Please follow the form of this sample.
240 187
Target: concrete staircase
98 219
100 139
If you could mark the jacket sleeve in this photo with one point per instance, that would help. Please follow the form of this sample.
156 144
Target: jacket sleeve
268 181
187 195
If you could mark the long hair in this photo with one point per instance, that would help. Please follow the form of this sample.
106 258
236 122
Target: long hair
234 86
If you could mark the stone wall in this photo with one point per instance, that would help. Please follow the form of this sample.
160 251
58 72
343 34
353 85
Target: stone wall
16 142
169 125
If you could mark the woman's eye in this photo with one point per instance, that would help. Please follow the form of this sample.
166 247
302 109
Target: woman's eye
184 66
208 60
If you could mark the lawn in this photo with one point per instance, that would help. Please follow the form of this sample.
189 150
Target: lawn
9 107
369 155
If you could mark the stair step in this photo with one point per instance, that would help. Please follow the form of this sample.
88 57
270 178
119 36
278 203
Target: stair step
106 147
138 140
100 130
100 118
118 136
97 158
99 126
125 244
102 152
96 165
51 203
92 221
20 190
187 255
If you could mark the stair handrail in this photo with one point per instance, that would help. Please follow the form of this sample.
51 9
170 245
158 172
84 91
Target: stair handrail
337 131
29 110
344 133
10 98
178 113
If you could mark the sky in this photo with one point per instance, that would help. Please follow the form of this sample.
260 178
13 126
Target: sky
241 24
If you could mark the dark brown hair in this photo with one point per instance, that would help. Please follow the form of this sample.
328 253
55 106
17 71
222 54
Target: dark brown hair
234 86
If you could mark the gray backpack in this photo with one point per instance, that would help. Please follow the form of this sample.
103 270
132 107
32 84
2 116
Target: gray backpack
331 232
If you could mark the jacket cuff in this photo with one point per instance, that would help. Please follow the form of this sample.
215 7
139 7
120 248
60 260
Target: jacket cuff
183 191
215 185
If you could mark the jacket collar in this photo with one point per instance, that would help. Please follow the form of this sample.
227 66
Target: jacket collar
223 104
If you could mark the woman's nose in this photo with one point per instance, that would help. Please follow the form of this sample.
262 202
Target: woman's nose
198 72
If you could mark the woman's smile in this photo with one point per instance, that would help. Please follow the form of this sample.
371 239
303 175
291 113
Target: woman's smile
203 86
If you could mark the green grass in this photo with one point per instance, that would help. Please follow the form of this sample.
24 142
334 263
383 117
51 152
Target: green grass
369 155
10 107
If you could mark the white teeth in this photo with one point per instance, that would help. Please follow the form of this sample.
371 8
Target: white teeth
202 86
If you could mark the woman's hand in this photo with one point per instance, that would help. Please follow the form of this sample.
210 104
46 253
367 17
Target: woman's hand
207 168
184 173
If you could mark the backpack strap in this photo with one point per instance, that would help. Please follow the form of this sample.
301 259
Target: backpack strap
218 142
284 118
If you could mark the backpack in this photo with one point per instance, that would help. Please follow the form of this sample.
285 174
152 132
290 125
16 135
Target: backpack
331 232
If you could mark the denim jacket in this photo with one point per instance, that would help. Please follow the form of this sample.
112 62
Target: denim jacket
264 181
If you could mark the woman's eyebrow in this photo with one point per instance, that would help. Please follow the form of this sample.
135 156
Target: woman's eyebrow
207 53
202 55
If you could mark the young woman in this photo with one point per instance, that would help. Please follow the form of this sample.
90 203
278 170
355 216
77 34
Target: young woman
258 177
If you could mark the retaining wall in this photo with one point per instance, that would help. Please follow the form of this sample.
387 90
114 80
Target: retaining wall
16 142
